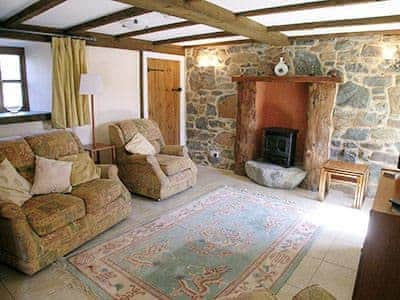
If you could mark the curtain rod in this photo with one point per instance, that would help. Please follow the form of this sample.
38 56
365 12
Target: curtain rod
86 38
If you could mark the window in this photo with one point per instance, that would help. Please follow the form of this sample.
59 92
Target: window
13 88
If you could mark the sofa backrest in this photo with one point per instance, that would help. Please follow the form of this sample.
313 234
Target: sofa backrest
20 155
55 144
21 151
123 131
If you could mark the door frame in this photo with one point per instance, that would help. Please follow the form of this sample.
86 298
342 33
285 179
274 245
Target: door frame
182 96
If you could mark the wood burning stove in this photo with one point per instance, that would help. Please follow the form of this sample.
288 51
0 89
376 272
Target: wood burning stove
280 146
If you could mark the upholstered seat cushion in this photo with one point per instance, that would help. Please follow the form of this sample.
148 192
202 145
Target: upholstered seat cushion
98 193
47 213
172 165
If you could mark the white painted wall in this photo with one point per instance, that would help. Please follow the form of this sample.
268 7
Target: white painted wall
120 98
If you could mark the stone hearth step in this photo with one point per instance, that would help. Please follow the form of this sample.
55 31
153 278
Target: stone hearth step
274 176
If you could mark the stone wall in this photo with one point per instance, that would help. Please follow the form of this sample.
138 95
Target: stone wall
367 111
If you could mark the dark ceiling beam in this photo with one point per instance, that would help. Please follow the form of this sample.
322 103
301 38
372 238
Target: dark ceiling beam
301 6
204 12
101 40
193 38
31 11
154 29
107 19
337 23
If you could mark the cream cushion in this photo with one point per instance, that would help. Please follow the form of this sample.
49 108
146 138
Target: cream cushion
51 176
140 145
83 168
13 187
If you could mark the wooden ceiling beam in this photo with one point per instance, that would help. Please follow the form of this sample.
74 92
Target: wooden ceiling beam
107 19
301 6
154 29
101 40
337 23
193 38
204 12
31 11
345 34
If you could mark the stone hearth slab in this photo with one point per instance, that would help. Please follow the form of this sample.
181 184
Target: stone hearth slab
274 176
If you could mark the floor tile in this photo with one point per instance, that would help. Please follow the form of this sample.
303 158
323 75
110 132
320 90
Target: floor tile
344 254
321 246
304 272
287 292
336 279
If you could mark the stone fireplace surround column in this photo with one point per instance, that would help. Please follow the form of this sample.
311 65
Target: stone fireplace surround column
320 106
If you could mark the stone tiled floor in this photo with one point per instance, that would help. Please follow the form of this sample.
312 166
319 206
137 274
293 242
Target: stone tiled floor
331 261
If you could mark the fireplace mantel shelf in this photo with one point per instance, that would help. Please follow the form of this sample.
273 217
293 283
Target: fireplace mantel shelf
294 79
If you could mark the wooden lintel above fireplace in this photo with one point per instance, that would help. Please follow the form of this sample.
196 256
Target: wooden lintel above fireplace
294 79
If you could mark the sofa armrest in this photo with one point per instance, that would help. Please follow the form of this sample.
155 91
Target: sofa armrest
108 171
17 237
176 150
111 172
11 211
147 165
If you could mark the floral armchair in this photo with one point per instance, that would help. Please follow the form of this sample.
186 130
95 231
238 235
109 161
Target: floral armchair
158 176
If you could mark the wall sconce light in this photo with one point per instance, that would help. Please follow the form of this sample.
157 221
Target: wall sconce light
389 52
208 60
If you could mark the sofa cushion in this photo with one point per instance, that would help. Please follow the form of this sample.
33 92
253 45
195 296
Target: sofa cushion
149 129
98 193
51 176
172 165
19 154
55 144
140 145
47 213
83 168
13 187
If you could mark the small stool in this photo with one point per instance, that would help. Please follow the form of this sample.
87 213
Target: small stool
344 172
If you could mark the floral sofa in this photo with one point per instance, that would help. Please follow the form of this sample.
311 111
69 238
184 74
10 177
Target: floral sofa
158 176
49 226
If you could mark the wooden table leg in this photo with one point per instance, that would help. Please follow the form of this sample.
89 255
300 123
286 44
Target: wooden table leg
359 192
322 185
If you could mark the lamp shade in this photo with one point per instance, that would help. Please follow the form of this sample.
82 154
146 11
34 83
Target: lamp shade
90 84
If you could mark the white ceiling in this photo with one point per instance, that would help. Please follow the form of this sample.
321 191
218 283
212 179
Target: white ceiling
9 8
210 41
147 20
178 32
242 5
73 12
377 9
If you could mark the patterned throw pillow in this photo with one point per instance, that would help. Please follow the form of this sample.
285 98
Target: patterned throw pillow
140 145
83 168
51 176
13 187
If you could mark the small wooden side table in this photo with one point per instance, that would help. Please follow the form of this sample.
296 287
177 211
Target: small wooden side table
94 151
344 172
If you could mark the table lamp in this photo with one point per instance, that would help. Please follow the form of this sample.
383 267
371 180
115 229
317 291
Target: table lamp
91 84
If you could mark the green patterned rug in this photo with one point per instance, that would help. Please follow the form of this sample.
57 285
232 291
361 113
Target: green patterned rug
218 246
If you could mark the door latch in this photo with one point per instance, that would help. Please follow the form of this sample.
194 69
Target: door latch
177 89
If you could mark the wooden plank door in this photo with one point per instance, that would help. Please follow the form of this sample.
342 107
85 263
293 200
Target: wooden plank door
164 97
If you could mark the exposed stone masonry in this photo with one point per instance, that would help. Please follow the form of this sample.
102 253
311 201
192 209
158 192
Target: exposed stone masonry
367 112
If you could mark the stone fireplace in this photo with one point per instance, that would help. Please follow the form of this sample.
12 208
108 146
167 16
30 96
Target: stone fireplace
304 103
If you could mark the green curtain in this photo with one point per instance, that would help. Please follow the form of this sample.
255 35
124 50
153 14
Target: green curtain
69 109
